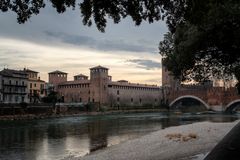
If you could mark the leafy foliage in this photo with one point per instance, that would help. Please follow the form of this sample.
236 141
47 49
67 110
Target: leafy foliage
203 41
206 43
98 11
23 8
52 97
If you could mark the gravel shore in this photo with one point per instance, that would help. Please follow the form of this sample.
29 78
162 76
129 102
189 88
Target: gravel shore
171 143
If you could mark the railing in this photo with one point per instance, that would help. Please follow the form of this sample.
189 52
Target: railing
15 85
7 92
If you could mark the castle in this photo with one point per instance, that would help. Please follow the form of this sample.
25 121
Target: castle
17 86
102 91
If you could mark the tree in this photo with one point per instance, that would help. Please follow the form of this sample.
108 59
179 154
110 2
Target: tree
206 43
205 34
35 96
98 11
52 97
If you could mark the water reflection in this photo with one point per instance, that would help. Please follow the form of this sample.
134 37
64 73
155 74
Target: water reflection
97 131
58 138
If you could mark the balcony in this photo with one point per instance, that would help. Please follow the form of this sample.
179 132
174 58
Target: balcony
14 85
8 92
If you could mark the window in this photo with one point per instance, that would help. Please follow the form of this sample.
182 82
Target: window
93 100
23 83
16 82
118 99
131 99
140 100
16 98
2 81
117 92
80 100
30 85
10 82
22 99
10 98
35 85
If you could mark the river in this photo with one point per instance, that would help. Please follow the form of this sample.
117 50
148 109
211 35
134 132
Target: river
56 139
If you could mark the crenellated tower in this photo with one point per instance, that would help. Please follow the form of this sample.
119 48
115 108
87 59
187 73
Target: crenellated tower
98 85
56 77
168 79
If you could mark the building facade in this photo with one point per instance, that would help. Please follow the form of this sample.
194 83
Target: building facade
13 86
1 90
56 77
123 93
101 90
168 79
36 87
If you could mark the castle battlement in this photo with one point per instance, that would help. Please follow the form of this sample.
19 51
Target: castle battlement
100 89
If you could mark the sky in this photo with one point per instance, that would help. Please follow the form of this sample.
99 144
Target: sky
51 41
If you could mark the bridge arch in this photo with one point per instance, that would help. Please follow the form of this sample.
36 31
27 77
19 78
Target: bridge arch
230 107
189 96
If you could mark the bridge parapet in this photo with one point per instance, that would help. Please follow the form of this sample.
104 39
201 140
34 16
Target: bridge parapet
174 94
217 98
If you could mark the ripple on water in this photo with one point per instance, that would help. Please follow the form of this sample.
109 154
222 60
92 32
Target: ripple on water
76 136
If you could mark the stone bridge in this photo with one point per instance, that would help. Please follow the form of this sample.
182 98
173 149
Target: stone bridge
213 98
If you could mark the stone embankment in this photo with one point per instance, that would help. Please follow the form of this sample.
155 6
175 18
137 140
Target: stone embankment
47 112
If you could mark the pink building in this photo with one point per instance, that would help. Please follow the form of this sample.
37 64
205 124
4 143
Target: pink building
101 90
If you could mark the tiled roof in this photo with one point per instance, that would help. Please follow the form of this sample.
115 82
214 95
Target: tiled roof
12 73
74 82
123 81
99 67
28 70
80 75
134 85
57 71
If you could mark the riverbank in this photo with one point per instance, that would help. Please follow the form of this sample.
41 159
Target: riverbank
81 113
171 143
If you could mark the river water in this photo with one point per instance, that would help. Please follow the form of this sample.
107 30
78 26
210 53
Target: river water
56 139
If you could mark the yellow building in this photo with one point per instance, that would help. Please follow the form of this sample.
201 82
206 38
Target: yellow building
36 87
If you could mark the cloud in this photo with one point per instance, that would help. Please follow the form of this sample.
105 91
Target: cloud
100 44
154 80
146 64
50 41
